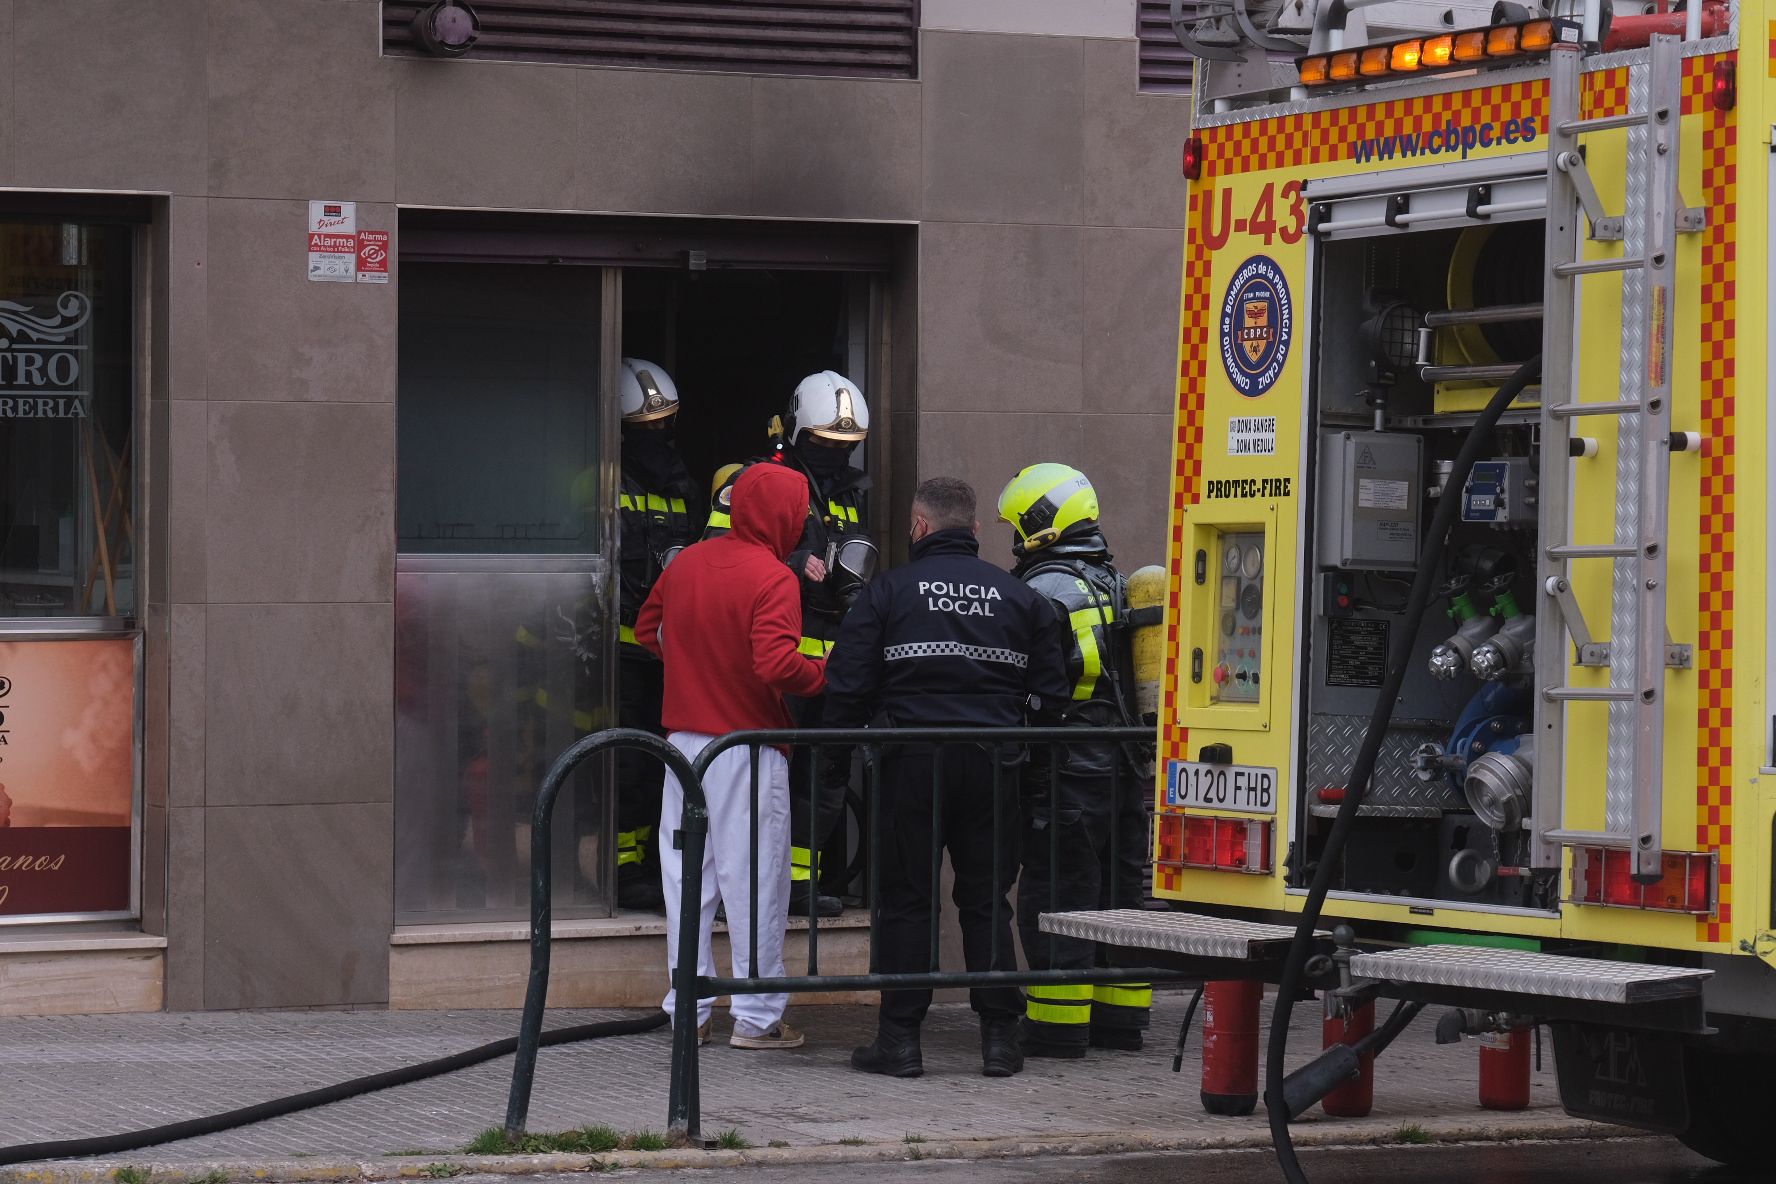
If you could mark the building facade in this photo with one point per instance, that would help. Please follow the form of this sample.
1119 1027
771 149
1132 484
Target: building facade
269 544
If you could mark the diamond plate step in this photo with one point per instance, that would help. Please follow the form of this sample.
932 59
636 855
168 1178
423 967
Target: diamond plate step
1174 933
1524 972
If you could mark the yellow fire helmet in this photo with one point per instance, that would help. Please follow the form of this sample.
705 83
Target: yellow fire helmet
1044 501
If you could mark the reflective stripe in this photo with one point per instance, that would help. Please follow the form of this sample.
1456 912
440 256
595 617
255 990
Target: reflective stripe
719 520
801 863
814 647
844 513
1085 623
626 634
1119 995
1061 1005
1060 992
582 719
953 649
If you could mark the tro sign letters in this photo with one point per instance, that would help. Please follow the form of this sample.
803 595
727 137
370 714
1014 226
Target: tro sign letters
333 241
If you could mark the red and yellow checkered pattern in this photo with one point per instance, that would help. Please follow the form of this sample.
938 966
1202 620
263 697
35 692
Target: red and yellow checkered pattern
1325 136
1196 325
1714 642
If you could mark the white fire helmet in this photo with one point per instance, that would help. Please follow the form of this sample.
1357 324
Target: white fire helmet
830 406
646 391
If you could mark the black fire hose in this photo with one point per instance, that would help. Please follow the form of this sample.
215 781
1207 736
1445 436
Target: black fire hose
258 1112
1363 768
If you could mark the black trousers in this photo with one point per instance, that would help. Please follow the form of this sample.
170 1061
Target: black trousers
641 683
811 822
960 816
1092 854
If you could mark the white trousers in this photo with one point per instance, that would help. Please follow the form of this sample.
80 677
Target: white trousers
727 872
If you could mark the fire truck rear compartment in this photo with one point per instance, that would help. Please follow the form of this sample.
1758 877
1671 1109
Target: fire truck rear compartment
1412 331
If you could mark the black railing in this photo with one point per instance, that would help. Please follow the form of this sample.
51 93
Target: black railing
1005 744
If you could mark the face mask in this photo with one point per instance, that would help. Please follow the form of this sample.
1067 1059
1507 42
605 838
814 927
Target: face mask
822 461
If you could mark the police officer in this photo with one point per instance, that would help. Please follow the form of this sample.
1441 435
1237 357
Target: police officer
827 420
946 640
657 515
1085 842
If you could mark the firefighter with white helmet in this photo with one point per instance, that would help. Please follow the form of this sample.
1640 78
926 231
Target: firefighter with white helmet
1085 839
658 509
826 421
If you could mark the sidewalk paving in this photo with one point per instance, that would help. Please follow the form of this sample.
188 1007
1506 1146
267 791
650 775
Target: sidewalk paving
89 1075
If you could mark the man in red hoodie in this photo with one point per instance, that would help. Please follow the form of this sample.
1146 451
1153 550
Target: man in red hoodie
726 619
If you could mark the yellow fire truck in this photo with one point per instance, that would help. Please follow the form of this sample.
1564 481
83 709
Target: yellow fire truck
1467 629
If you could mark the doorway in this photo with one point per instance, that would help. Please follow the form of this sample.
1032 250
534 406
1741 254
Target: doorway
736 342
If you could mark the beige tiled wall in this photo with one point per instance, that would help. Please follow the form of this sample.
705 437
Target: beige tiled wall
1034 318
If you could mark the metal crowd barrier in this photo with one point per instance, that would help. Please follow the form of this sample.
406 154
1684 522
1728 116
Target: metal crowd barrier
684 1101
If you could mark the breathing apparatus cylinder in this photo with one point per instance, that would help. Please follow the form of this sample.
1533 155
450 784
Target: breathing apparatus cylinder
1230 1047
1146 591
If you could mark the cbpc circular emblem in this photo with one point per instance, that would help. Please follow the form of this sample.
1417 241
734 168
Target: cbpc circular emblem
1257 323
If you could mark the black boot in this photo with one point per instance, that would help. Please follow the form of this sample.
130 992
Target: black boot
1002 1052
895 1052
641 893
1120 1039
800 893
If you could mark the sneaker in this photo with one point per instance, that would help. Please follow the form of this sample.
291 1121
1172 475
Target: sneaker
780 1035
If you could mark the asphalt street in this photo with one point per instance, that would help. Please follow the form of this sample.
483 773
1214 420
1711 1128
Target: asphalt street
1589 1161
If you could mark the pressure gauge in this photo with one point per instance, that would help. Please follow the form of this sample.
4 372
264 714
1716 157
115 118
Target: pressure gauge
1251 600
1230 562
1252 561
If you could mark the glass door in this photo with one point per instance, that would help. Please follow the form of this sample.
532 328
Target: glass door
504 635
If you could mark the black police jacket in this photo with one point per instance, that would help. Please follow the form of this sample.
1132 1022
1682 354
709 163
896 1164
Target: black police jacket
947 640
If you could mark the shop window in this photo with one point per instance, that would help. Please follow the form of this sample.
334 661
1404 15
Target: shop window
503 630
69 651
67 421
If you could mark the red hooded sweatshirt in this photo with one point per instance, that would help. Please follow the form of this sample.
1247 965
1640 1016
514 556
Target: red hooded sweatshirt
726 617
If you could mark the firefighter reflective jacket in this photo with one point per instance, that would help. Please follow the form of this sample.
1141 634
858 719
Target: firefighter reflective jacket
1089 597
654 519
836 508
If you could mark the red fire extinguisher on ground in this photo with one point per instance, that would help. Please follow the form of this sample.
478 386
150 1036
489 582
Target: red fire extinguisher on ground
1504 1069
1230 1047
1355 1098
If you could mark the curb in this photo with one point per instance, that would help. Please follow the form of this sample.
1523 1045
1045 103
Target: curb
1368 1133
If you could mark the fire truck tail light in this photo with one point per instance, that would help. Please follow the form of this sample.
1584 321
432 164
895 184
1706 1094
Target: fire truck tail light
1313 70
1215 844
1605 876
1470 46
1193 158
1405 56
1726 88
1536 36
1437 52
1344 66
1374 61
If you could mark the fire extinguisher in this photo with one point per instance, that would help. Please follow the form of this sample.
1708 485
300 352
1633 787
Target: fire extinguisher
1355 1098
1504 1069
1230 1047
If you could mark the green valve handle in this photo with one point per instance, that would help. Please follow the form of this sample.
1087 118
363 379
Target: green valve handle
1506 606
1461 607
